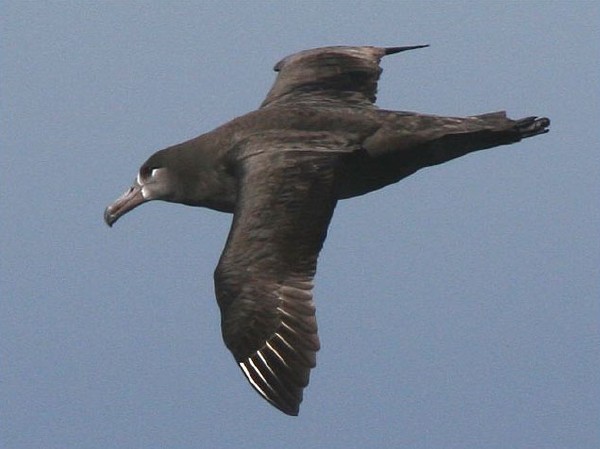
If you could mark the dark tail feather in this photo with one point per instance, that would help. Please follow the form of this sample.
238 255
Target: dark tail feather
504 132
407 142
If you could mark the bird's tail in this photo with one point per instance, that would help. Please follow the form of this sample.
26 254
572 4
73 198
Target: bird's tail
430 139
407 142
486 131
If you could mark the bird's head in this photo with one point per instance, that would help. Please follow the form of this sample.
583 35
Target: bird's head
154 181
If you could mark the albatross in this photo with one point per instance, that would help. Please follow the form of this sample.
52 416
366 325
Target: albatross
317 138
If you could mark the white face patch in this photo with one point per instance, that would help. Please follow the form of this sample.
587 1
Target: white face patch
144 189
151 183
145 192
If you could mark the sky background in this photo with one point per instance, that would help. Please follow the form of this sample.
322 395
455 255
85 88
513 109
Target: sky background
458 308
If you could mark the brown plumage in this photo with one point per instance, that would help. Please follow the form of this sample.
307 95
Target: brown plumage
317 138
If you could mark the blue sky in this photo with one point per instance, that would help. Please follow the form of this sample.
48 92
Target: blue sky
458 308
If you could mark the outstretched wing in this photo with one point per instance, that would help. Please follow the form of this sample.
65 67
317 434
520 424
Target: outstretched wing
264 278
347 74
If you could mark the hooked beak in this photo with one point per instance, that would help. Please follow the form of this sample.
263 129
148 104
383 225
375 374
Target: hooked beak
132 198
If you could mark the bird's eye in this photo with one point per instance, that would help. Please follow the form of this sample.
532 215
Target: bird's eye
148 172
144 173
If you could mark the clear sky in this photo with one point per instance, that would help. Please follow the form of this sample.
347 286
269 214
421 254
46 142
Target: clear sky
459 308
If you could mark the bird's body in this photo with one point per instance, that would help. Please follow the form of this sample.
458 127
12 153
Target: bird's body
317 138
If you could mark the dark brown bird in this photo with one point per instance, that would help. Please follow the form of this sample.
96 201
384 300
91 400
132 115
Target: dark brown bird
318 137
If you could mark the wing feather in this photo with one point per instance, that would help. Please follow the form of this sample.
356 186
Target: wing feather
347 74
264 277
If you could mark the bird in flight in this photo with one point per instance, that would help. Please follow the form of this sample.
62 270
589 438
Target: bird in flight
317 138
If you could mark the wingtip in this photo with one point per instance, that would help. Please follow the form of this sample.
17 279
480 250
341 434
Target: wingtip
392 50
266 391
